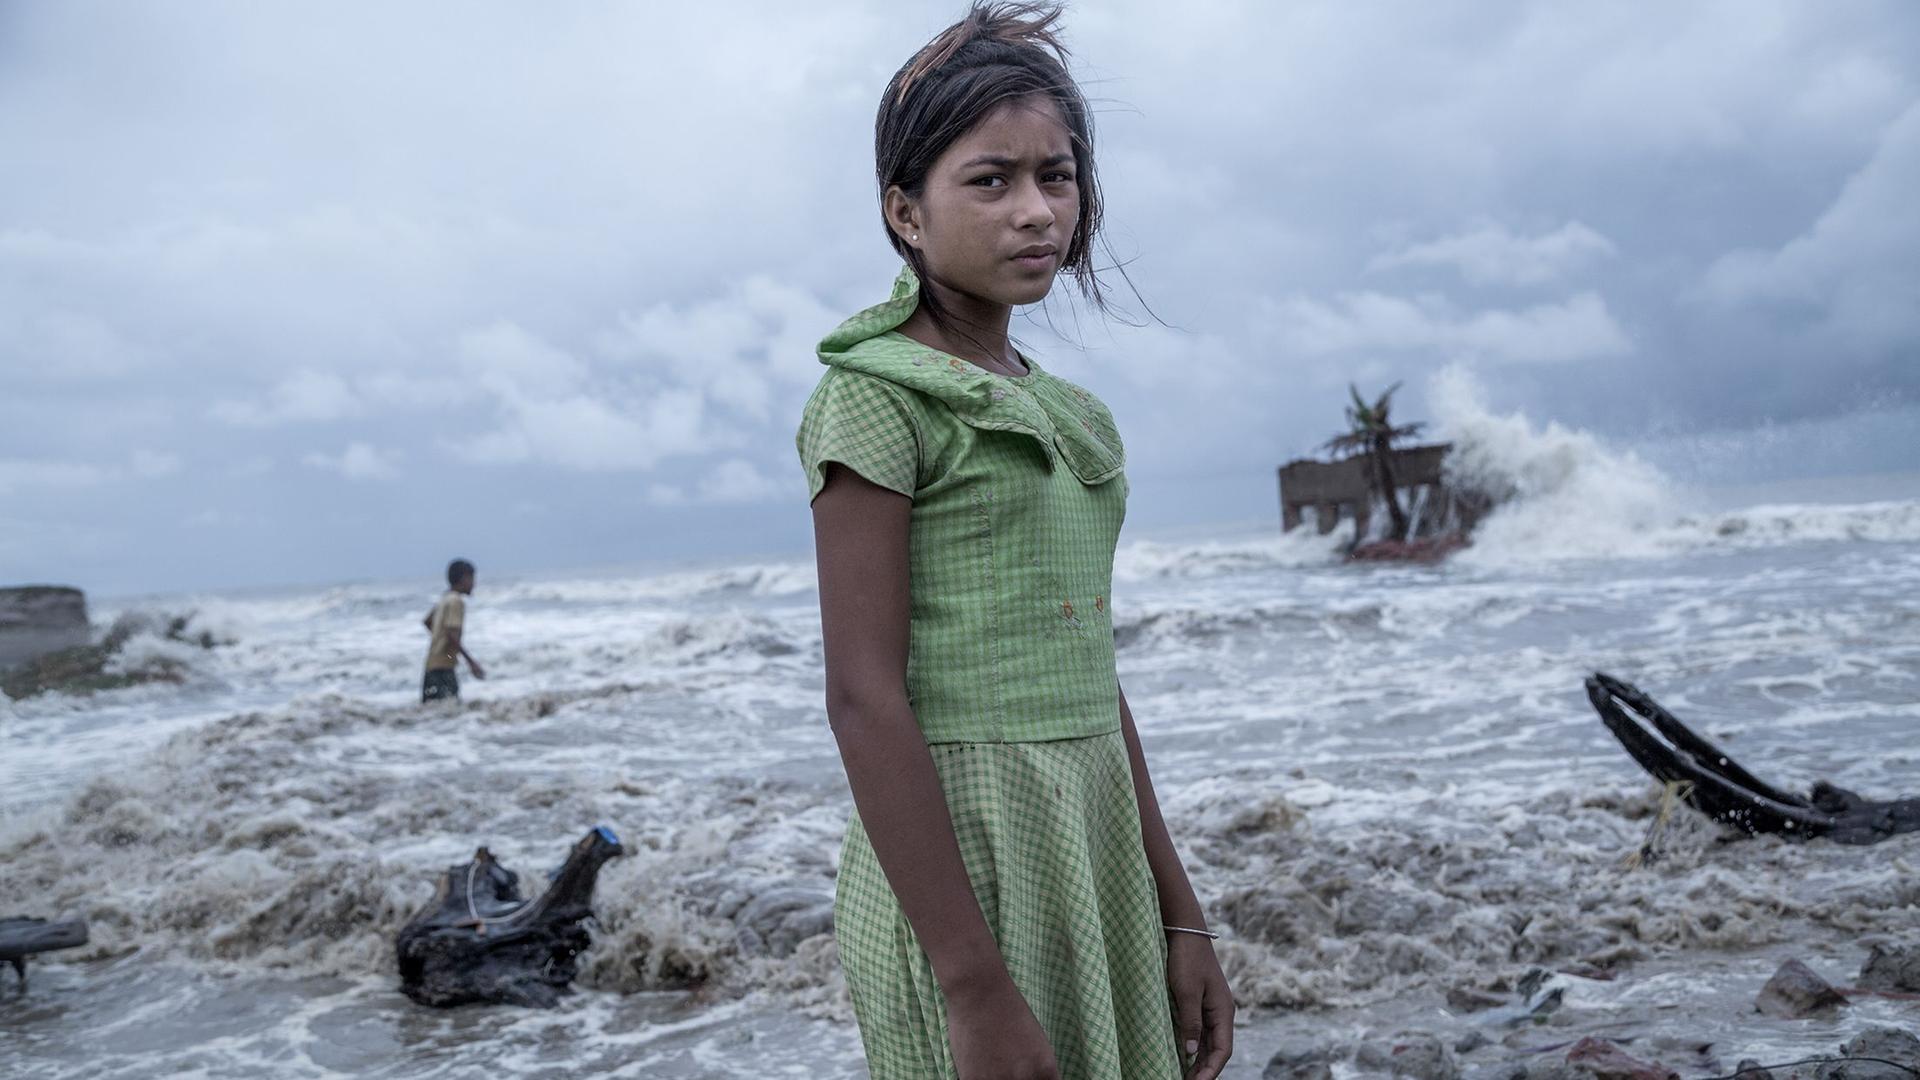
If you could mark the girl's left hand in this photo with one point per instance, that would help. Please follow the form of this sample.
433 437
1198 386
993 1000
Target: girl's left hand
1202 1005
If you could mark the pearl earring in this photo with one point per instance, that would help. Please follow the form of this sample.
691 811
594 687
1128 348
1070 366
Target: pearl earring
916 236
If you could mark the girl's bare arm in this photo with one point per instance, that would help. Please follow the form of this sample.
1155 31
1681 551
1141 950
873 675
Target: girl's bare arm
1178 905
1203 1004
860 535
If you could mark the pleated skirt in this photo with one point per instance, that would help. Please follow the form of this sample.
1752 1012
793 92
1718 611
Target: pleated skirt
1050 833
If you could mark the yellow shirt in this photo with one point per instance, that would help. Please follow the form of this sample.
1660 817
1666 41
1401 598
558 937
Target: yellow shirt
449 615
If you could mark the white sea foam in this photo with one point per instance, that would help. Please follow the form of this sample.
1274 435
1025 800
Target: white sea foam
1385 779
1885 522
756 580
1562 493
1567 494
300 841
1146 560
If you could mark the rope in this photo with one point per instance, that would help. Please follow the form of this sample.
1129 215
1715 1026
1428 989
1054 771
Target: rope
1816 1061
1673 791
471 909
605 834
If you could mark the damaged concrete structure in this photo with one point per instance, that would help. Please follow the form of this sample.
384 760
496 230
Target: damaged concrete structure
39 619
1337 491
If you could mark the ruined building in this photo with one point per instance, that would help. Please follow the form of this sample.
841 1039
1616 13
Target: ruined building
1335 491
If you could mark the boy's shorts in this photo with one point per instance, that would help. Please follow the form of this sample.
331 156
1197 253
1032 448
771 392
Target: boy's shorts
440 683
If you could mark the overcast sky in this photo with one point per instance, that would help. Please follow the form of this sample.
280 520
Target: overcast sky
311 292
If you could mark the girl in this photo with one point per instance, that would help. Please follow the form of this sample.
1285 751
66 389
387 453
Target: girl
1009 902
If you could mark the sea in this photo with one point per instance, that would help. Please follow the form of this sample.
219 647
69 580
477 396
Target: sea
1386 781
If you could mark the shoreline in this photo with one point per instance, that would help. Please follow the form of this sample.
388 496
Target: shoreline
1691 1012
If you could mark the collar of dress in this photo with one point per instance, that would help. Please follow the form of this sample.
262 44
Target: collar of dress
1060 416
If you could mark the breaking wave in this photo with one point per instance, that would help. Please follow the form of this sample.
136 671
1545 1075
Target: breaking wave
751 581
1184 626
303 840
1566 494
1147 560
1560 493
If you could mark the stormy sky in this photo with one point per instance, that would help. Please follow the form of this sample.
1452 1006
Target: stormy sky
311 292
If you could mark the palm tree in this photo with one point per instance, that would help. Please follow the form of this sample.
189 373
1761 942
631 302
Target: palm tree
1372 433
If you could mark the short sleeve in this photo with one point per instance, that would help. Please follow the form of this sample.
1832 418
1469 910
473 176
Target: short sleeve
863 423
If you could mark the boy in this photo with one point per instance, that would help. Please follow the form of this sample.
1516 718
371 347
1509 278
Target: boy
444 622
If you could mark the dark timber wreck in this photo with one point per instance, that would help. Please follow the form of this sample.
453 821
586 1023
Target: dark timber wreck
479 941
1716 785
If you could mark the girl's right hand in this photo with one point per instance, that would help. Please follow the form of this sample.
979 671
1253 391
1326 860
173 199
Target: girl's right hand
994 1036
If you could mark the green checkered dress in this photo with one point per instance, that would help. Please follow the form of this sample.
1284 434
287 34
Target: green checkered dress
1018 495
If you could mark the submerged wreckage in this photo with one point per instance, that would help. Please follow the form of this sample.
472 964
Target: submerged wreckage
1368 478
478 941
1716 785
21 938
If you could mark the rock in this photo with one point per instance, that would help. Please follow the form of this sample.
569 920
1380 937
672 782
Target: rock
1878 1053
477 941
1891 966
1891 1043
1422 1056
778 920
90 667
1538 1008
1374 1058
1471 1041
1795 993
1603 1060
1749 1069
1300 1061
1590 972
39 619
1465 999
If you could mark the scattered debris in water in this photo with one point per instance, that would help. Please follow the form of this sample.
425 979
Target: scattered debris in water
478 941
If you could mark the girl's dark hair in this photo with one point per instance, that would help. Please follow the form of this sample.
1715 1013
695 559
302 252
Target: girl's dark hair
999 52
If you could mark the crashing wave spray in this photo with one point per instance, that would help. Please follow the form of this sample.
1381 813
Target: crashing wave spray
1562 493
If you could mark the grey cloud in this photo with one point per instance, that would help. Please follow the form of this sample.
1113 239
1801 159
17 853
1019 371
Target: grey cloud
1577 328
153 464
358 461
667 382
306 395
1490 253
1858 264
582 261
17 475
738 481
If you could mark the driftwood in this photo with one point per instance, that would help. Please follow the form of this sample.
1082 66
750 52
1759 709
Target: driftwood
1716 785
478 941
21 938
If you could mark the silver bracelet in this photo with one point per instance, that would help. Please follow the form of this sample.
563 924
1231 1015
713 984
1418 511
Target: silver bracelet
1189 930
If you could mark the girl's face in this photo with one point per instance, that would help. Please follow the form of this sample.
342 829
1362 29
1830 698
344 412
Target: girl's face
999 207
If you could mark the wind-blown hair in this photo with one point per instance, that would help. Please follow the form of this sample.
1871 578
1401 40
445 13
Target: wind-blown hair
999 52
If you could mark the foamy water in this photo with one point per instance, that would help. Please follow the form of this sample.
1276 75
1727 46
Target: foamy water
1386 780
